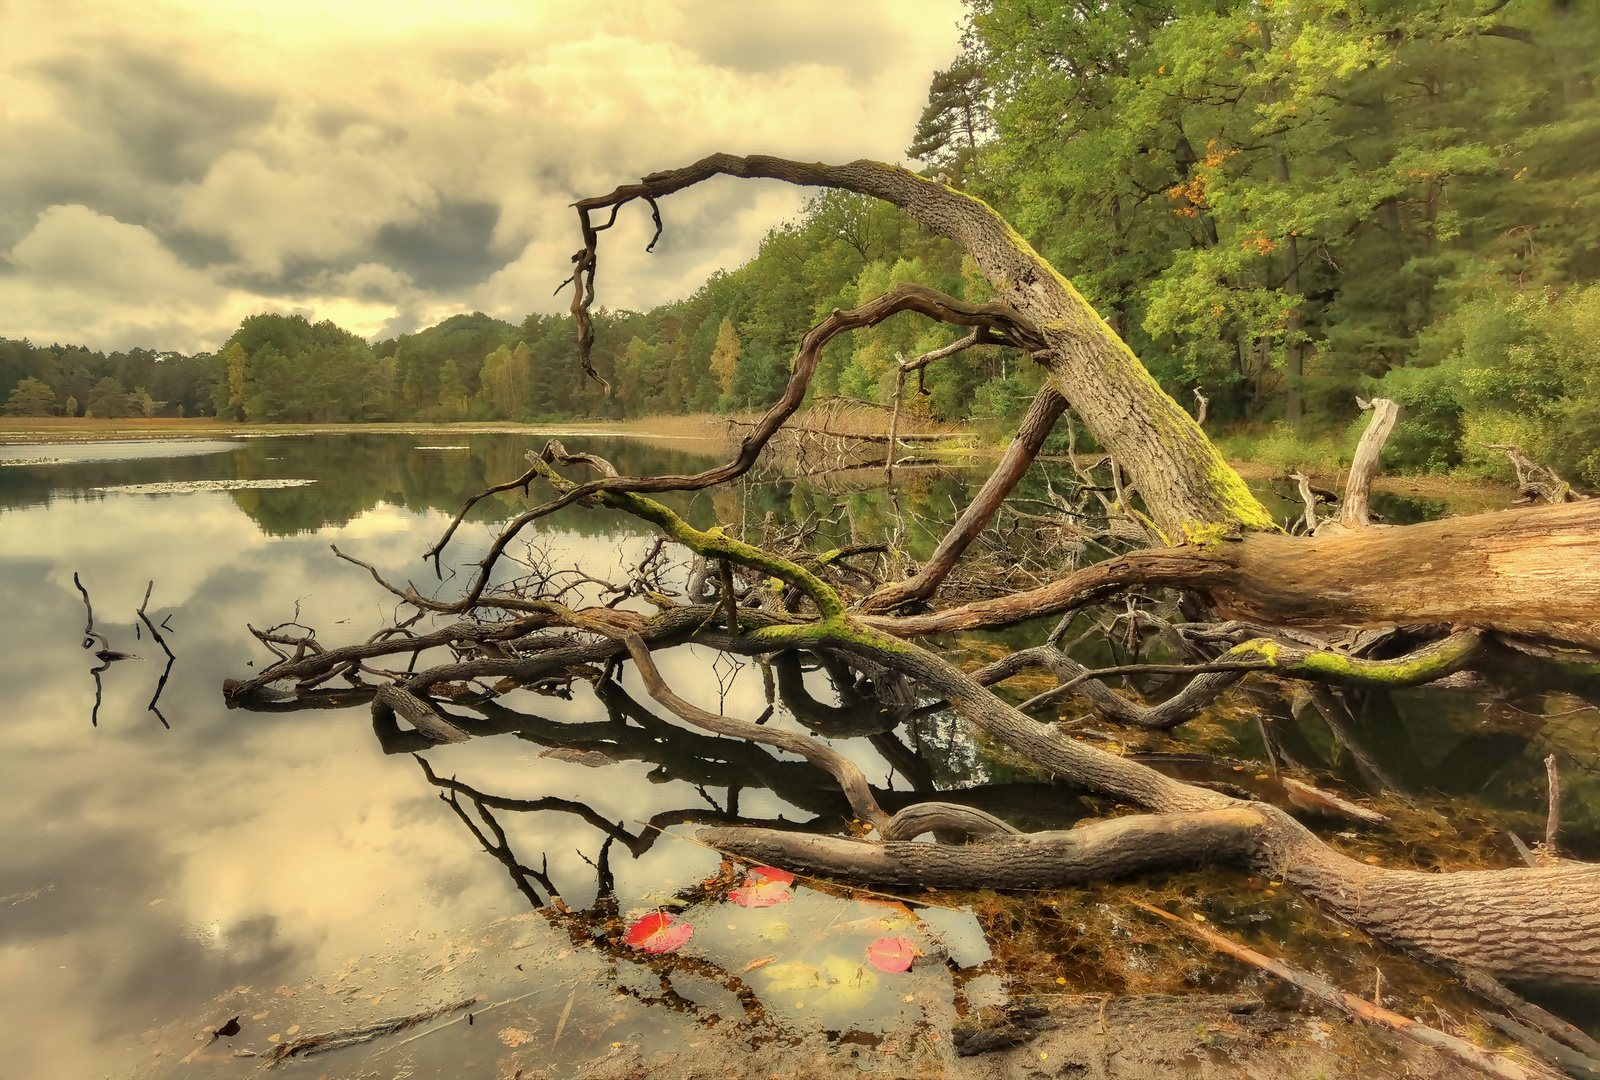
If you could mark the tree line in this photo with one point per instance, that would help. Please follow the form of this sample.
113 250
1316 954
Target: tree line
1286 207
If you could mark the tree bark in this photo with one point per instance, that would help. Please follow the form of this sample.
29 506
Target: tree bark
1532 572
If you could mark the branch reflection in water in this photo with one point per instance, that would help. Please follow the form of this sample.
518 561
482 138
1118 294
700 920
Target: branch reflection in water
711 766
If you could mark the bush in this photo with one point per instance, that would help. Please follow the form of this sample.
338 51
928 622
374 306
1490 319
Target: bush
1526 371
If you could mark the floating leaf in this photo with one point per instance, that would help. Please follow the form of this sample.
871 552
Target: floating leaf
658 933
769 873
851 984
759 893
763 886
792 976
891 954
228 1030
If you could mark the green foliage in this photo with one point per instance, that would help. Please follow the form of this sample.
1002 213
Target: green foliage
1524 370
1287 451
504 382
1242 187
109 401
71 373
32 397
955 120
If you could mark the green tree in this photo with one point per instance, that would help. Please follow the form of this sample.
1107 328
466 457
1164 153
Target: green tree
109 401
725 357
32 397
144 404
236 367
504 381
955 120
71 407
452 392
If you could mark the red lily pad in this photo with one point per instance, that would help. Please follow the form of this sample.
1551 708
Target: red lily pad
658 933
770 873
891 954
757 892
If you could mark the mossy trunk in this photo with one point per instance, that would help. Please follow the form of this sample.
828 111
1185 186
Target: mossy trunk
1184 481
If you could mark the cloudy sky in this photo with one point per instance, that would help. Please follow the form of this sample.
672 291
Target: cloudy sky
170 166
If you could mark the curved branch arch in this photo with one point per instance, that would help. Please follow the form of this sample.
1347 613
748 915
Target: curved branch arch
1183 478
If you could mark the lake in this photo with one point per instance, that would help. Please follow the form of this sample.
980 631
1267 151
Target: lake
171 863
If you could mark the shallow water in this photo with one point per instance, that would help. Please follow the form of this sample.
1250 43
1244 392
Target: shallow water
159 879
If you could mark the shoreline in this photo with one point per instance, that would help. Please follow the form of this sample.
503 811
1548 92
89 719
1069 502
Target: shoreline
702 431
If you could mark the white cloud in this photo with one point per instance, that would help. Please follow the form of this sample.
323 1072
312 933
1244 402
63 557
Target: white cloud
82 276
398 161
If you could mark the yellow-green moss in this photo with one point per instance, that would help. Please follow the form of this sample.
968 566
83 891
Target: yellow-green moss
1424 665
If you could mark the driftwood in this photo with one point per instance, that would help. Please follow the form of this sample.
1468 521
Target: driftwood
1536 482
1576 1065
1552 820
1355 510
338 1039
1533 1015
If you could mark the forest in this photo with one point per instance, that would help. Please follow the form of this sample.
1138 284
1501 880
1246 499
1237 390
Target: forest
1284 211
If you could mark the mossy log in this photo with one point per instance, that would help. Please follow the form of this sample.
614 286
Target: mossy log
1532 572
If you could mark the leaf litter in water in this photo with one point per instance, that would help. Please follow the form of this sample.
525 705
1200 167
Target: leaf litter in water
658 933
891 954
763 886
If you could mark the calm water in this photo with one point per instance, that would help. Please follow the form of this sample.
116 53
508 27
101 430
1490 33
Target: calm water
300 869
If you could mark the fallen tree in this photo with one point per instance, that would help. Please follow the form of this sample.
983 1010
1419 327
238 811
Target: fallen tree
1413 604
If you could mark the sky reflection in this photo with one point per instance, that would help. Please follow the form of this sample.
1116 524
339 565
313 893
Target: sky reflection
148 869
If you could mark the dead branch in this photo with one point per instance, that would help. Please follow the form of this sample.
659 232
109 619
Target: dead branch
1036 426
309 1045
1005 322
1354 510
1569 1061
161 683
1536 482
1309 498
1487 986
908 823
1552 822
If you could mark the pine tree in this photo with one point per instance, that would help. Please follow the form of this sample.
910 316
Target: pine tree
955 120
108 400
32 397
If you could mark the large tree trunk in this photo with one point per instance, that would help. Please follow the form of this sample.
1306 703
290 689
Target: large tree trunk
1533 572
